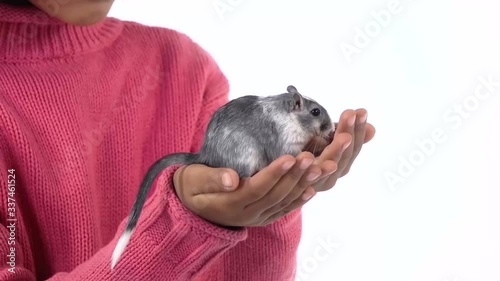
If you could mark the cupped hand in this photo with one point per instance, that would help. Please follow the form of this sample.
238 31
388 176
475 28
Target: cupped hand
351 134
336 160
219 196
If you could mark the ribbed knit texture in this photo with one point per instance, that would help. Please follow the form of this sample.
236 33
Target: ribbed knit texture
84 111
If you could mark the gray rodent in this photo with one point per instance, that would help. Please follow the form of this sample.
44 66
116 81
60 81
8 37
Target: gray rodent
246 135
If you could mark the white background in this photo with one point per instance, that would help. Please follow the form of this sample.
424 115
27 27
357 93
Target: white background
438 223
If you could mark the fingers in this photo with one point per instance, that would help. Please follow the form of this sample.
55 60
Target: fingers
359 132
335 150
359 137
288 184
370 132
332 155
327 168
256 187
356 133
346 125
308 194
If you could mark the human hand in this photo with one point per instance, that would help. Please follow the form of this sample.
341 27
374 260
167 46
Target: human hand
336 160
248 201
351 134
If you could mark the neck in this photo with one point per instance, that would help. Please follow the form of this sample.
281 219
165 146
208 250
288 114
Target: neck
28 34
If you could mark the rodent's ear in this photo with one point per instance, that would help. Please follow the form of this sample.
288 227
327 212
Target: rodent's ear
292 90
298 102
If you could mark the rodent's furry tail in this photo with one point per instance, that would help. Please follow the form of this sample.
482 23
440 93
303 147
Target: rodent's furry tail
153 172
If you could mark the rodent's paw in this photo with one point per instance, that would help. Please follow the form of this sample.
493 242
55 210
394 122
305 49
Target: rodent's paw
316 145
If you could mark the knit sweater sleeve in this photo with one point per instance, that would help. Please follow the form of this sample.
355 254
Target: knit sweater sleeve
169 242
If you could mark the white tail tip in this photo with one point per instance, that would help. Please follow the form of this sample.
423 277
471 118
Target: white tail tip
120 247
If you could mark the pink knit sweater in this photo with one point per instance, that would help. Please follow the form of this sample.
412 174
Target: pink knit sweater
84 111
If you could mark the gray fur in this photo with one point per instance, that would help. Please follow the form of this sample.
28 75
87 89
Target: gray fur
247 134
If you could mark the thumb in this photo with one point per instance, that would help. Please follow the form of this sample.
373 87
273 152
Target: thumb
222 179
211 182
205 180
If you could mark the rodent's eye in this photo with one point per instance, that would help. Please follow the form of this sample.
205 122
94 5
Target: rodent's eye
315 112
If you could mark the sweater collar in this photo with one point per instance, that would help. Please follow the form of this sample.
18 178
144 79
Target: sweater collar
29 34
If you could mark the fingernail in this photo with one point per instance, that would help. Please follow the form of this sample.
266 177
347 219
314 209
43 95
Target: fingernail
331 172
307 196
312 176
305 163
363 118
351 120
346 145
226 181
288 165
